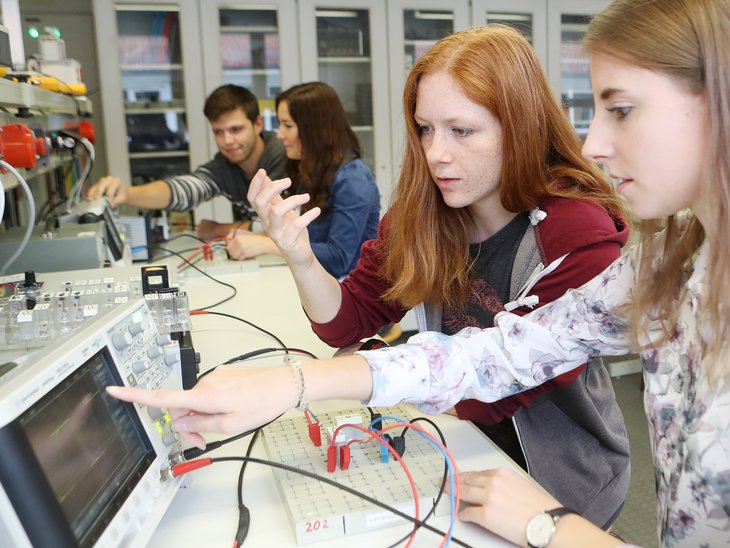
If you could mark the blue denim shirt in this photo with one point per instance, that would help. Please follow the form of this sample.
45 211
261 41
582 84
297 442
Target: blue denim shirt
353 216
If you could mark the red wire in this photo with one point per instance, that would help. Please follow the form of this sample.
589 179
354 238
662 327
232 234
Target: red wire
375 435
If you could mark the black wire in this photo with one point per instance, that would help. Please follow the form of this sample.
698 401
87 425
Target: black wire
261 351
277 339
186 235
443 480
235 291
346 488
243 466
244 515
255 353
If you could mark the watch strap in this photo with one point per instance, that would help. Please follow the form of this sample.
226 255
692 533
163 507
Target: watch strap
555 514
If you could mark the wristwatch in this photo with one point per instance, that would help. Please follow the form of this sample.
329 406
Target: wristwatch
541 528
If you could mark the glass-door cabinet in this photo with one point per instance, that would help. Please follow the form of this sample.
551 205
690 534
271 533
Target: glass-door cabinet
413 27
152 97
253 45
568 65
527 16
343 47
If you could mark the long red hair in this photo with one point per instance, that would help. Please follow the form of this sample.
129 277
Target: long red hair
426 246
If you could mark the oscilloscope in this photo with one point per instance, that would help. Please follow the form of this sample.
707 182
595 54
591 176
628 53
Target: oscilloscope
78 467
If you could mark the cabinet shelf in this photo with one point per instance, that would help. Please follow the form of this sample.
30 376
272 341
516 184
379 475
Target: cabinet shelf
343 60
161 154
252 72
239 29
152 67
153 110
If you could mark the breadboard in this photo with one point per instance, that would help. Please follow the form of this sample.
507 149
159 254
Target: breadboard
320 512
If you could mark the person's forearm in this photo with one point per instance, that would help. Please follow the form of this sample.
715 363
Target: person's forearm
154 195
319 292
346 377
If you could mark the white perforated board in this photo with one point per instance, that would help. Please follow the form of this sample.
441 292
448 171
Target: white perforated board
320 512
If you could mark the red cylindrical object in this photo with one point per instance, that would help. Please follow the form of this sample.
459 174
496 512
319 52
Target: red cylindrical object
185 467
86 129
41 147
17 145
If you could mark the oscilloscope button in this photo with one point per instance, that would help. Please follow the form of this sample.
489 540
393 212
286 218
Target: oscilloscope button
155 413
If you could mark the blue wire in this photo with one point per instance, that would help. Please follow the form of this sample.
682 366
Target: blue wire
448 463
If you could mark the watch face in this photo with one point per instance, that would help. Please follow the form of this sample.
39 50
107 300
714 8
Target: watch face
540 530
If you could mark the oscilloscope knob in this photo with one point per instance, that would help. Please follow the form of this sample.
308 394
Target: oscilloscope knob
154 352
171 355
139 366
136 328
121 340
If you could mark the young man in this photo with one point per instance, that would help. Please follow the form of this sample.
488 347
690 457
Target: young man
244 148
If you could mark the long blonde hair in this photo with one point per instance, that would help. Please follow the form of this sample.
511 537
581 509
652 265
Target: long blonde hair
688 40
427 246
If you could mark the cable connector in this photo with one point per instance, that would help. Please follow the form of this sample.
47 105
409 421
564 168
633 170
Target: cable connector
315 434
195 452
331 458
177 457
244 520
376 422
398 443
166 474
344 457
186 467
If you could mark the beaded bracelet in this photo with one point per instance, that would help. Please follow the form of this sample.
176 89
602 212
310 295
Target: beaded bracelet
296 366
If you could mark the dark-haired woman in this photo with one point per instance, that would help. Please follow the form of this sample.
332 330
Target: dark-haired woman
323 161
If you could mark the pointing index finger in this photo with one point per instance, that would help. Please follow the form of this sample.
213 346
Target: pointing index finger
159 398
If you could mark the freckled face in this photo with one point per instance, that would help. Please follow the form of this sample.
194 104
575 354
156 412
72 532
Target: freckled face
462 141
288 132
652 135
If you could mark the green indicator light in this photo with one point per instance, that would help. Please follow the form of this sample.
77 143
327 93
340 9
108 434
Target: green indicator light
57 33
33 32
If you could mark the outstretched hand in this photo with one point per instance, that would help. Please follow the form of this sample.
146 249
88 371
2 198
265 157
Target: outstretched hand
111 187
231 399
280 219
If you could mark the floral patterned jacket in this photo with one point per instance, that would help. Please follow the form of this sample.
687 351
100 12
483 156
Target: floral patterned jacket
689 416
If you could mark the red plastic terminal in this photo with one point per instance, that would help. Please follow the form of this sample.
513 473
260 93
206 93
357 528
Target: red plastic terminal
207 252
315 434
86 129
331 458
344 457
